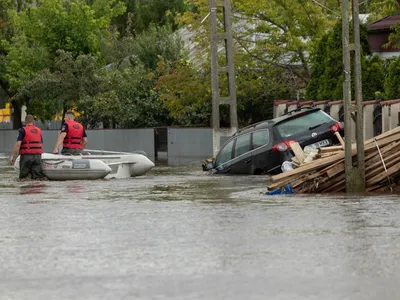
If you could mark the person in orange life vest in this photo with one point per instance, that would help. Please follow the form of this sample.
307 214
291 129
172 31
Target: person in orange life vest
29 145
72 136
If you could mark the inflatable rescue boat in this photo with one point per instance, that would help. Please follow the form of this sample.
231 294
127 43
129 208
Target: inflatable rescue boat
94 164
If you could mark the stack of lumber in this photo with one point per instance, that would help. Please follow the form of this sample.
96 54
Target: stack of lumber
326 172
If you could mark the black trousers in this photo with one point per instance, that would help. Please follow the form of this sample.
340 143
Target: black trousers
31 164
71 151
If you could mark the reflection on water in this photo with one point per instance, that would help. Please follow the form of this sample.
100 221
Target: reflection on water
32 188
180 234
76 188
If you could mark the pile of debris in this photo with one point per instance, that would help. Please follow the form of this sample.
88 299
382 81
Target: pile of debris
323 170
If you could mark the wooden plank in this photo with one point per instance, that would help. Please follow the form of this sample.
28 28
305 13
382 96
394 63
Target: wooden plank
340 139
373 155
325 186
283 181
384 135
295 160
383 142
337 169
324 171
324 155
339 186
384 175
375 187
298 152
379 162
385 188
330 149
315 165
383 149
380 169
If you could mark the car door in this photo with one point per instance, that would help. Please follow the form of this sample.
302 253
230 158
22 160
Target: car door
242 162
263 157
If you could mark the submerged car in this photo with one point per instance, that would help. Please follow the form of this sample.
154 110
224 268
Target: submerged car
261 148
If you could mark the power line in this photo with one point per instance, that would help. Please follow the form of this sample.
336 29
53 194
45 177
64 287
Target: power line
332 11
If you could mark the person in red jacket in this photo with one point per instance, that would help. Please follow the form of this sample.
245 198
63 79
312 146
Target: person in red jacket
29 145
72 136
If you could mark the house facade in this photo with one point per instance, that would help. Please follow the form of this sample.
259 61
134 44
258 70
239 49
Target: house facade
378 37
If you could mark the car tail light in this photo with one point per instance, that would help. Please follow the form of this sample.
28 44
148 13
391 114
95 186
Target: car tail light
336 127
282 147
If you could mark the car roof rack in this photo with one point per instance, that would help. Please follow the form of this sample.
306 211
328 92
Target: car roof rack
255 125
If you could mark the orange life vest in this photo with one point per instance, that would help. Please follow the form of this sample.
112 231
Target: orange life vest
32 142
73 139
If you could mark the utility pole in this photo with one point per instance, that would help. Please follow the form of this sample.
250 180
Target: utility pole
355 175
226 37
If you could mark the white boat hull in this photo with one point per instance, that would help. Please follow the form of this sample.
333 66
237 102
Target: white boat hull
72 168
94 164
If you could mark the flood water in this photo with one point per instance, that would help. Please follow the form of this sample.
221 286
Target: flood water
177 233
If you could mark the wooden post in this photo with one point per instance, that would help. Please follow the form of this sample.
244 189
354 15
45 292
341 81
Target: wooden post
347 96
359 183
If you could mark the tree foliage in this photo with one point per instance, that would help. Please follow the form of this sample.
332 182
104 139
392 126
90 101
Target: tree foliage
326 81
127 99
41 30
186 92
122 63
141 14
392 84
275 32
70 79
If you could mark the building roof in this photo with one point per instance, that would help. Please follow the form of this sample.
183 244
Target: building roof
384 24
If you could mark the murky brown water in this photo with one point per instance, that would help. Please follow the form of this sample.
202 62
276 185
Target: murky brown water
179 234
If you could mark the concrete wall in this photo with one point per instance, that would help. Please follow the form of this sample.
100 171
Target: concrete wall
368 125
385 118
189 145
394 115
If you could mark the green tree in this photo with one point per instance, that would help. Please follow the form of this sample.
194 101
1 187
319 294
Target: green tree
274 32
126 99
392 84
373 77
140 14
326 81
50 91
186 92
147 48
51 25
257 89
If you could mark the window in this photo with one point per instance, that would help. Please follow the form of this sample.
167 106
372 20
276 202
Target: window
225 154
242 144
303 123
260 138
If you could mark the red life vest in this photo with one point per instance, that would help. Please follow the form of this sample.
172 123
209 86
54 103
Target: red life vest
32 142
73 139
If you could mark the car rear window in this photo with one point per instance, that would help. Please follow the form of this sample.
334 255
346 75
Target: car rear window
303 123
